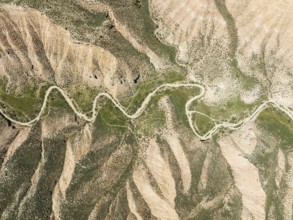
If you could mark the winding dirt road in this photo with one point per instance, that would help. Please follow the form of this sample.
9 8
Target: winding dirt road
146 101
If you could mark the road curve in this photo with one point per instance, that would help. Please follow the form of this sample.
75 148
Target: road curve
138 112
146 101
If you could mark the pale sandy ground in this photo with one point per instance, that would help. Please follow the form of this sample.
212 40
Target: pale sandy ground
280 170
245 174
258 22
73 154
263 28
17 142
281 91
177 150
51 126
266 27
71 61
48 129
288 195
162 208
266 22
204 172
208 204
160 169
172 139
6 134
250 96
63 182
180 21
159 207
220 89
246 138
131 203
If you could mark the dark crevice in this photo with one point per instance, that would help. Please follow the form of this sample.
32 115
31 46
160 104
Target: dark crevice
136 78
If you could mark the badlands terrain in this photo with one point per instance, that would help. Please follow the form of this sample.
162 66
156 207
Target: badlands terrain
136 109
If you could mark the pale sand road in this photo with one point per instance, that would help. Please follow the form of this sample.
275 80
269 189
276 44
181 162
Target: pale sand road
140 110
208 135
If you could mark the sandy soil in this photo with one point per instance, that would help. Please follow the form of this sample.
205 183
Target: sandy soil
172 139
161 171
245 174
131 203
204 172
159 207
17 142
288 195
180 22
280 171
72 62
260 22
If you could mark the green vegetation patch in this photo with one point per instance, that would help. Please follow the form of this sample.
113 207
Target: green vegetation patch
84 97
56 103
144 88
232 110
110 118
25 106
278 125
153 118
203 123
179 97
150 122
